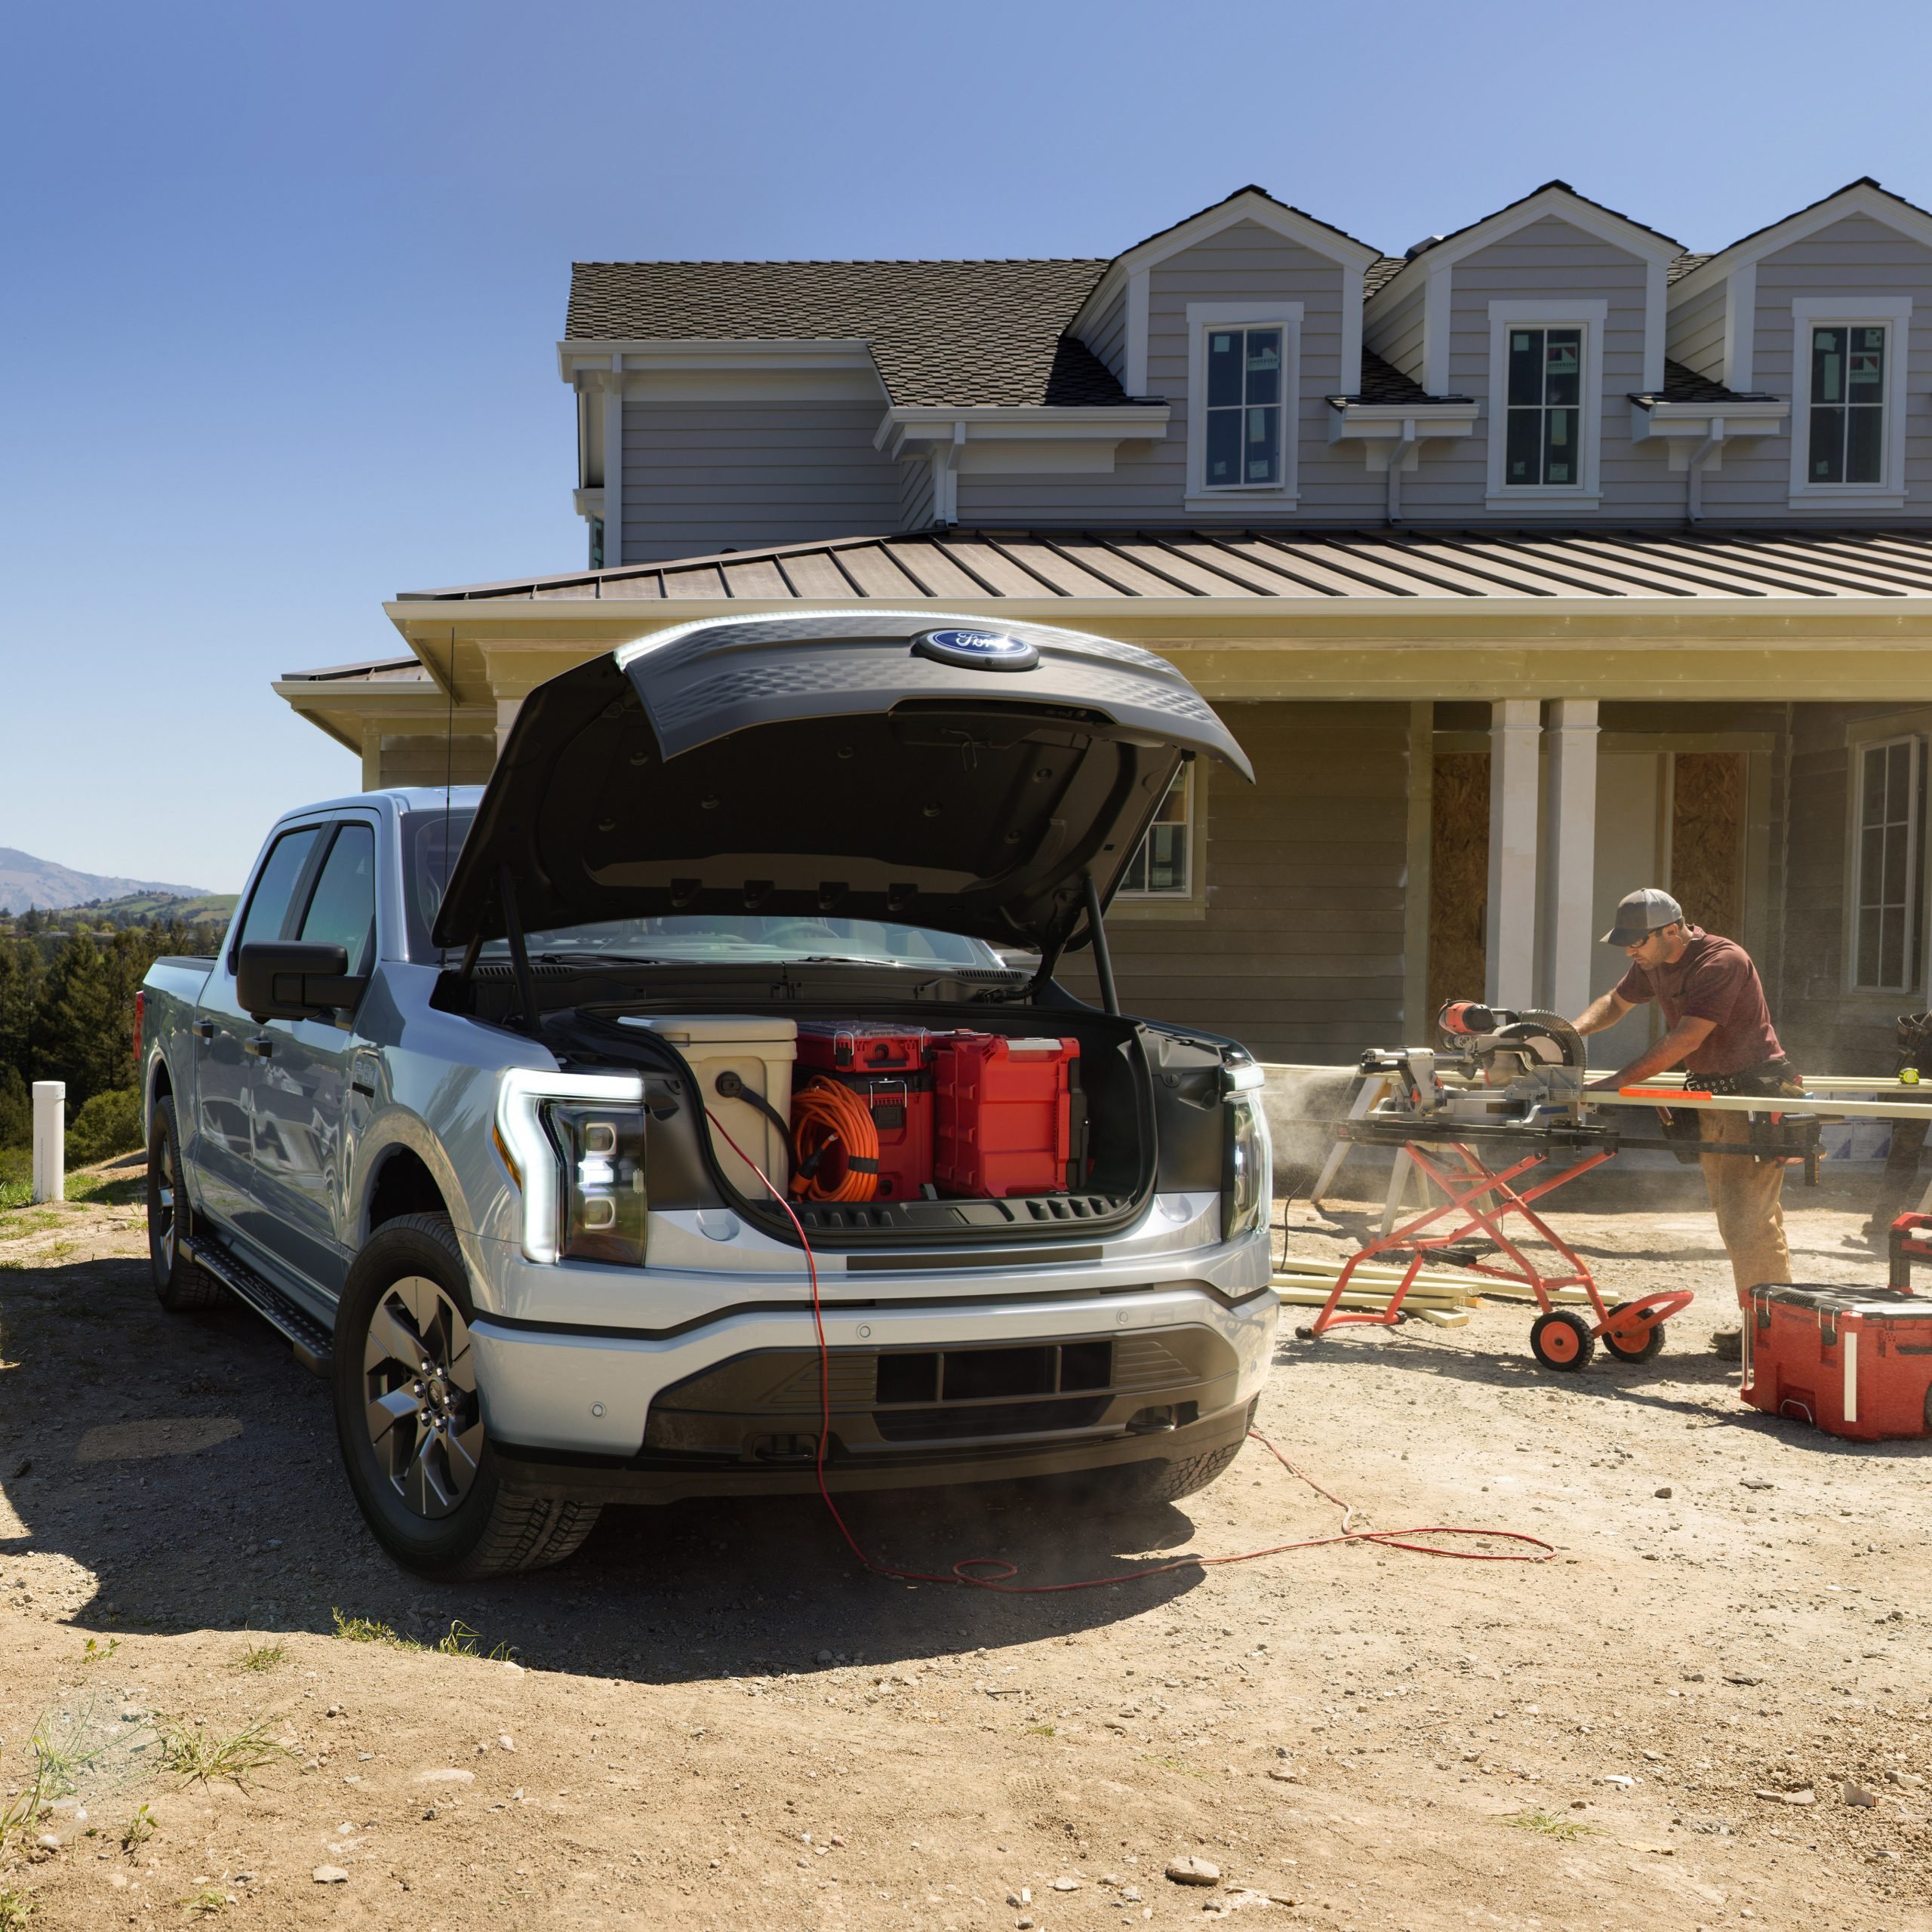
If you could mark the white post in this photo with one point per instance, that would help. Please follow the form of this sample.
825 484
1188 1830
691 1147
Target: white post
1570 866
50 1140
1514 750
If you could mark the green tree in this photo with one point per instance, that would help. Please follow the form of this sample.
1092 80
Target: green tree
15 1109
83 1033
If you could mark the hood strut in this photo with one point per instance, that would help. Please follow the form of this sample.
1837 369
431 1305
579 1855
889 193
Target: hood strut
1104 963
526 992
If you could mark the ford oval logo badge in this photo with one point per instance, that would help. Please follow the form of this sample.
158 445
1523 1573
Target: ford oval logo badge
977 651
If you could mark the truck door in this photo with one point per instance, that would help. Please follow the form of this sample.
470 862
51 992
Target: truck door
300 1077
220 1151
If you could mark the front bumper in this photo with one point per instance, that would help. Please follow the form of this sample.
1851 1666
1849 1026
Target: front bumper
572 1411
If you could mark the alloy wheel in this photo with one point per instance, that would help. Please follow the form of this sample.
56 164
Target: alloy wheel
425 1422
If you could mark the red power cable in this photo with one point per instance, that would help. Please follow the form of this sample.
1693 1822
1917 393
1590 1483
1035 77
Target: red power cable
999 1570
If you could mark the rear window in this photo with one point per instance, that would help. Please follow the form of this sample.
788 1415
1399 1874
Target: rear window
430 842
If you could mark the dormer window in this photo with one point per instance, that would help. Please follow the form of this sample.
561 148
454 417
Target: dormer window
1546 404
1244 399
1244 408
1847 439
1847 429
1545 439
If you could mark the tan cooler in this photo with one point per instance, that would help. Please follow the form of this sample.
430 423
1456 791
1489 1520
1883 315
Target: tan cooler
760 1052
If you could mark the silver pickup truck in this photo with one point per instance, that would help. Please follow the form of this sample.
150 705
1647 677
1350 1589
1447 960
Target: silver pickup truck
489 1103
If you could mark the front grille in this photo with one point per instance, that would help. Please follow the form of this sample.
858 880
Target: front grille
740 1408
945 1424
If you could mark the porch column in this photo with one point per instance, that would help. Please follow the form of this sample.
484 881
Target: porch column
1514 732
1569 866
507 708
372 758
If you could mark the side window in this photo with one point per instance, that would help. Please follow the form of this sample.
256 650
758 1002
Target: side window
268 907
342 910
1162 867
1889 828
1546 393
1847 439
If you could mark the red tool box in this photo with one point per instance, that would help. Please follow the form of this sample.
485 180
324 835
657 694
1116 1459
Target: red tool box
1853 1361
1003 1114
889 1068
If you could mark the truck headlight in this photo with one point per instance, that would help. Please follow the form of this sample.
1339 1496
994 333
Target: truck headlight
573 1144
1248 1167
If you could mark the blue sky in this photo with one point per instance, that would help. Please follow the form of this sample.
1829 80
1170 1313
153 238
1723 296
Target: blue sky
280 287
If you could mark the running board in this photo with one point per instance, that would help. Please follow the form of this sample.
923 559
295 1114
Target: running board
312 1344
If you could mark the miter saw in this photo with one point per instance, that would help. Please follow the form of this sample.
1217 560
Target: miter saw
1508 1070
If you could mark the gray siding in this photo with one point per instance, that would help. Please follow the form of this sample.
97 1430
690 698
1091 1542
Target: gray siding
1105 334
1857 256
1244 264
700 476
915 494
1394 331
1694 334
1549 258
1301 955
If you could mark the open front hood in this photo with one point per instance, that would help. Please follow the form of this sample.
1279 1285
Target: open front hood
899 765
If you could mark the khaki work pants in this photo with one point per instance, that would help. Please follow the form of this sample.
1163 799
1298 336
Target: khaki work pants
1745 1196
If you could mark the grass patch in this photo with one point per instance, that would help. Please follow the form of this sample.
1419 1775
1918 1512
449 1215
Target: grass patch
461 1641
108 1190
92 1652
15 1908
366 1630
137 1831
204 1903
1550 1825
1039 1730
1175 1764
201 1757
61 1755
261 1656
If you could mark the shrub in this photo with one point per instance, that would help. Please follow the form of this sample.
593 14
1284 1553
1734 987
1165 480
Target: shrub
110 1124
15 1109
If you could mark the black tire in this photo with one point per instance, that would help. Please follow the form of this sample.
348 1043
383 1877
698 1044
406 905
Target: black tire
466 1522
1652 1346
1561 1340
180 1283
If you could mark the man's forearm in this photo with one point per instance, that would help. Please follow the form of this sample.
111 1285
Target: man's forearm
1683 1039
1604 1011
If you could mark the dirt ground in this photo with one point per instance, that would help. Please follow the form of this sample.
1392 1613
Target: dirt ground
711 1719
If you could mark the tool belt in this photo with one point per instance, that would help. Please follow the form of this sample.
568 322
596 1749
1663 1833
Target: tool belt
1770 1079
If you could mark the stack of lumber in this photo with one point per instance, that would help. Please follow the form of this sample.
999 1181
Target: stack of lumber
1442 1296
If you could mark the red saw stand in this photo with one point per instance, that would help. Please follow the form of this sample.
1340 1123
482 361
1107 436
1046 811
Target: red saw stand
1480 1198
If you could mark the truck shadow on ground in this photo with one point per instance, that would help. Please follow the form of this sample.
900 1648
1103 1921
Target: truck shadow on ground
182 1473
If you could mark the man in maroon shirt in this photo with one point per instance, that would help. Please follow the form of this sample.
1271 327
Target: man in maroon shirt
1720 1032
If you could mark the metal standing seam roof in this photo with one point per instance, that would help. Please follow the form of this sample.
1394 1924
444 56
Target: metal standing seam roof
943 334
1235 563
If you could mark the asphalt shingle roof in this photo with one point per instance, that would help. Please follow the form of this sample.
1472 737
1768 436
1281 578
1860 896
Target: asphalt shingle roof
943 334
1685 385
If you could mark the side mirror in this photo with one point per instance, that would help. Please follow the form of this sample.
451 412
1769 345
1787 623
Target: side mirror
293 980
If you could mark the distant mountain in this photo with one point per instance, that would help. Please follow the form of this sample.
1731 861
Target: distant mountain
26 881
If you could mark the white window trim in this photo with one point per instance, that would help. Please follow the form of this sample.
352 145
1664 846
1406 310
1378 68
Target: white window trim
1202 316
1811 311
1545 498
1870 734
1192 904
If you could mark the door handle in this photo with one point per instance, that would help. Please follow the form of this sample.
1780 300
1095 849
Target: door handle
204 1029
262 1046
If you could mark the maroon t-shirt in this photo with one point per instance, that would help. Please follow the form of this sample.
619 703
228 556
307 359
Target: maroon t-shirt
1716 981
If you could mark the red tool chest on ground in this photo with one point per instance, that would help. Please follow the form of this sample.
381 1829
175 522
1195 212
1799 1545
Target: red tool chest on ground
1854 1361
889 1068
1003 1115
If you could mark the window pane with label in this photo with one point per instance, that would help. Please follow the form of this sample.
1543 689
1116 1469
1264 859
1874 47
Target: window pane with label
1544 437
1245 404
1846 443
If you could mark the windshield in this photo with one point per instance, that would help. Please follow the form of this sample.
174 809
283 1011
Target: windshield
430 845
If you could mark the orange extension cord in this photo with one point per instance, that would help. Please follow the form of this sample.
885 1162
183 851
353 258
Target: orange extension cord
826 1115
994 1573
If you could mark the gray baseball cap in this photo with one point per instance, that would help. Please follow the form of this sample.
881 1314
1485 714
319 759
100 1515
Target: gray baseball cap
1642 912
